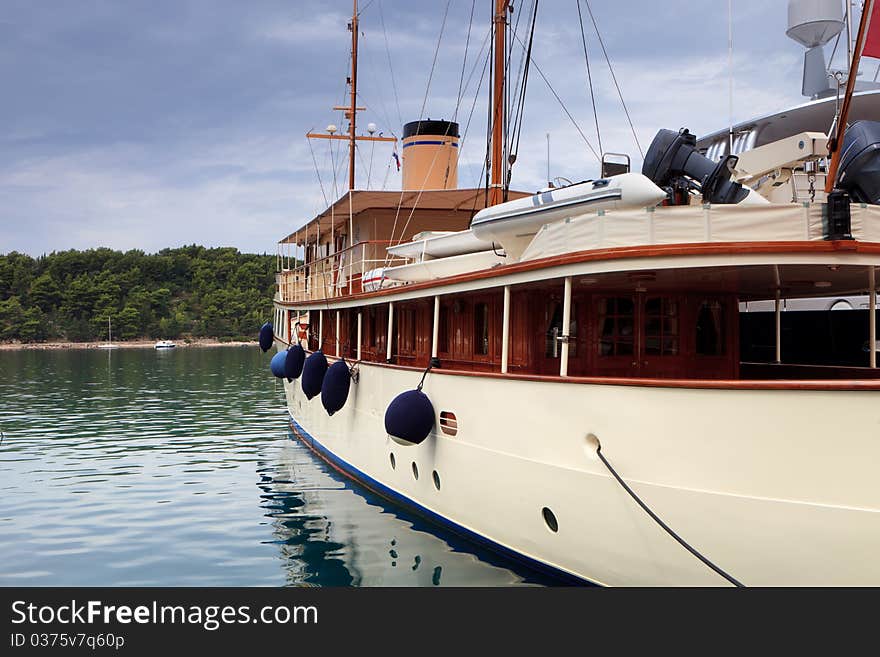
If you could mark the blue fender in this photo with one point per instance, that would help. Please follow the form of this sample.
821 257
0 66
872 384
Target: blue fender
409 417
267 336
293 363
313 374
334 390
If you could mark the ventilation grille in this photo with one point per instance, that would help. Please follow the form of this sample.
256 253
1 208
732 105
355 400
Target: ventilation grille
448 423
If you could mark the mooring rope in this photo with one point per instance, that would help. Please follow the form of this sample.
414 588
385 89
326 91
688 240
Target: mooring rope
424 374
666 527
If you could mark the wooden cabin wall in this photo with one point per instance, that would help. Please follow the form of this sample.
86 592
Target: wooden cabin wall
618 334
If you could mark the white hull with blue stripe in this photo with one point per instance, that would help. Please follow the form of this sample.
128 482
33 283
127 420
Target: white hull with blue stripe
522 446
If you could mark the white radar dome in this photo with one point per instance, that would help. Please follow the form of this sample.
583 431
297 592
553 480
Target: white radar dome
814 22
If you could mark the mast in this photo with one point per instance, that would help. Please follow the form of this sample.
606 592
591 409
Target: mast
496 162
352 109
352 112
836 141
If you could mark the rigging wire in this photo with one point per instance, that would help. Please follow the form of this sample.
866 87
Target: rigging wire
390 65
370 168
464 139
518 119
614 78
512 96
467 43
361 10
317 172
374 78
489 120
589 76
421 115
564 107
434 61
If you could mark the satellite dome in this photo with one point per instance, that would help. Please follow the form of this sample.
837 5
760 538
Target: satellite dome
814 22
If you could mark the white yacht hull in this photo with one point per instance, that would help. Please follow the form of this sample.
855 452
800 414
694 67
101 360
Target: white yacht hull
777 487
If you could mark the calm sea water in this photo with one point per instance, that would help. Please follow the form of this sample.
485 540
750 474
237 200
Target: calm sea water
136 467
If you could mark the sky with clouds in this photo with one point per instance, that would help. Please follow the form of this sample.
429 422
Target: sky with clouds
153 123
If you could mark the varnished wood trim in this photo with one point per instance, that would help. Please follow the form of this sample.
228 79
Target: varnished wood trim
702 384
617 253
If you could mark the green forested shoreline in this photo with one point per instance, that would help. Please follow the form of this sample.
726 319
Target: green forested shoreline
188 291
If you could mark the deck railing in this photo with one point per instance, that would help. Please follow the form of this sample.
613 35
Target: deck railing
338 274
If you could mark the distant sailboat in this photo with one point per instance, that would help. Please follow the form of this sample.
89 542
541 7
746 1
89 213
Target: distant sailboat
109 344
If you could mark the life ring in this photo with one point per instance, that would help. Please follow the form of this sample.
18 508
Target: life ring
302 331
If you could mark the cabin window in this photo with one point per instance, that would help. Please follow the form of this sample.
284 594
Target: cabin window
616 321
661 326
443 330
710 328
481 329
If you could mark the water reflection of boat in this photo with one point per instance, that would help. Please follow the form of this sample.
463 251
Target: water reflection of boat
333 533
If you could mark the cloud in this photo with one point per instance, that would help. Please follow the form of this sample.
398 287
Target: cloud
144 125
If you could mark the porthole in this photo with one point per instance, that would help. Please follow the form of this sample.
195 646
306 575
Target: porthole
393 462
415 470
436 478
550 520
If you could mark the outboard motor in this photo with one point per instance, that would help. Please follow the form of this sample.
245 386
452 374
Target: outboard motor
859 172
674 164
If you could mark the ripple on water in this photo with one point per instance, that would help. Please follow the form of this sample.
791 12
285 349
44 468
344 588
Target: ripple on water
152 469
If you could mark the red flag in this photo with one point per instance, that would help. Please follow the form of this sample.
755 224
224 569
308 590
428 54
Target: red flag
872 39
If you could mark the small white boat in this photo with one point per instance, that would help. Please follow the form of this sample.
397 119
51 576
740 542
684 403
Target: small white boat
514 224
165 344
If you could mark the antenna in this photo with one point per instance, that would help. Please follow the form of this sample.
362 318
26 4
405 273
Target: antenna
730 70
549 182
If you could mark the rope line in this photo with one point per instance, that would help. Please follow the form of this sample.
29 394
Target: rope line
614 78
318 172
662 524
390 66
424 374
589 76
518 118
467 44
563 106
